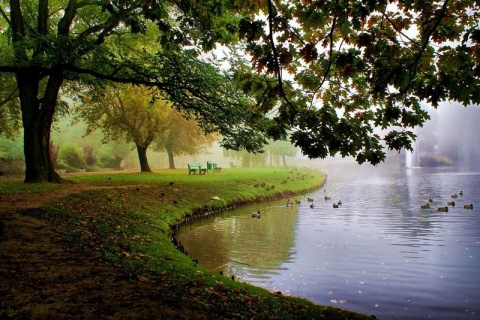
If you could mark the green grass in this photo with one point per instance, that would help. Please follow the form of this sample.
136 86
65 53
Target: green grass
127 222
17 187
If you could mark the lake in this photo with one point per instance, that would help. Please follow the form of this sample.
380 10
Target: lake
377 253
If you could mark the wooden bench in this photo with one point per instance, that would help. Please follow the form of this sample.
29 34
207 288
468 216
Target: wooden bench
217 169
193 167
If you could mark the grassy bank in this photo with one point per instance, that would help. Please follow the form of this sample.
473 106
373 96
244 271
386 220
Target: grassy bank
124 221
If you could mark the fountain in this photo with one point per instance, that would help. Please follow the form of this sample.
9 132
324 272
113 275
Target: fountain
412 158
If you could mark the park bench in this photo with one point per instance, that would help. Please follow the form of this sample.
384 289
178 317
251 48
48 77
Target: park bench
193 167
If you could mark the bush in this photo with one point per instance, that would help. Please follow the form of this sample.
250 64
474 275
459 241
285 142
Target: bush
109 159
71 156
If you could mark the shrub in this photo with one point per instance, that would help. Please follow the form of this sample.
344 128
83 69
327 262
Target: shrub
71 156
108 158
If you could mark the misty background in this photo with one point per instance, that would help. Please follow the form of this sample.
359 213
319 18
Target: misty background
447 139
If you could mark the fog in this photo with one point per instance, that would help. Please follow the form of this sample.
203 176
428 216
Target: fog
447 139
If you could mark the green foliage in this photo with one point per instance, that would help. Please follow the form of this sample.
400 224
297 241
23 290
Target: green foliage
72 156
369 62
109 157
11 148
10 117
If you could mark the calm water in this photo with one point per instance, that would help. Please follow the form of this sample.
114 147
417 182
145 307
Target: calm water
378 253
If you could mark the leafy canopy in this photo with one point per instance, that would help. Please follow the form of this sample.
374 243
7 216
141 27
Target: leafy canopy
344 68
85 42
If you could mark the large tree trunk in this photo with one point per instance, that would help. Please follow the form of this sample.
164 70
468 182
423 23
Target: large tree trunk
37 117
171 162
142 157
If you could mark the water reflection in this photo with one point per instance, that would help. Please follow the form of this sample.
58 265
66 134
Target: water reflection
233 241
378 253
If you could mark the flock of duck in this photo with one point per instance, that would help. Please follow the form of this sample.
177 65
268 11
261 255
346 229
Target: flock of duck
423 206
449 203
290 203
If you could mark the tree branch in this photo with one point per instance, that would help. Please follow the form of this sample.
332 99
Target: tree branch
275 58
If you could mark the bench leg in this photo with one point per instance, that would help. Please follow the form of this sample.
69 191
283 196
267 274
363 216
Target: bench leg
190 171
203 171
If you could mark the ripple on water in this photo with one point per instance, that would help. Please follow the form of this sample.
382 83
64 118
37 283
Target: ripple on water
378 253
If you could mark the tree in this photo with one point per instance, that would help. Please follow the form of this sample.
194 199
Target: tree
125 112
281 148
248 160
184 136
48 45
342 68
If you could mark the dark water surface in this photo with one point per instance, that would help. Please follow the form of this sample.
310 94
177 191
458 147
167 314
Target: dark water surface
378 253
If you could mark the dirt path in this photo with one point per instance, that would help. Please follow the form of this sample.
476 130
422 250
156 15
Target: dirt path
42 278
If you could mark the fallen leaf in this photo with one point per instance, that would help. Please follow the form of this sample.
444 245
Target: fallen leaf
142 279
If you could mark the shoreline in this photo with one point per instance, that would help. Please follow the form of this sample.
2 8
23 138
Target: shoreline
106 253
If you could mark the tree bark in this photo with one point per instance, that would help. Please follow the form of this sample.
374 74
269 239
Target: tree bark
37 118
171 162
142 157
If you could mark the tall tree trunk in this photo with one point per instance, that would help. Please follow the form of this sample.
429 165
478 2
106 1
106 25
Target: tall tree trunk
284 162
171 162
142 157
37 118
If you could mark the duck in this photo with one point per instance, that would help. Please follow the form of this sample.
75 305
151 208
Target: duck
430 199
289 202
312 206
468 206
339 202
442 209
309 199
425 206
451 203
256 214
461 193
454 195
335 205
328 198
297 201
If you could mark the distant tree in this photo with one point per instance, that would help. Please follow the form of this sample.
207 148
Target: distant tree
125 112
112 154
88 154
183 137
247 159
282 148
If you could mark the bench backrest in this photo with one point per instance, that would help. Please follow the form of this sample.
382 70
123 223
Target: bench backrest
190 165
